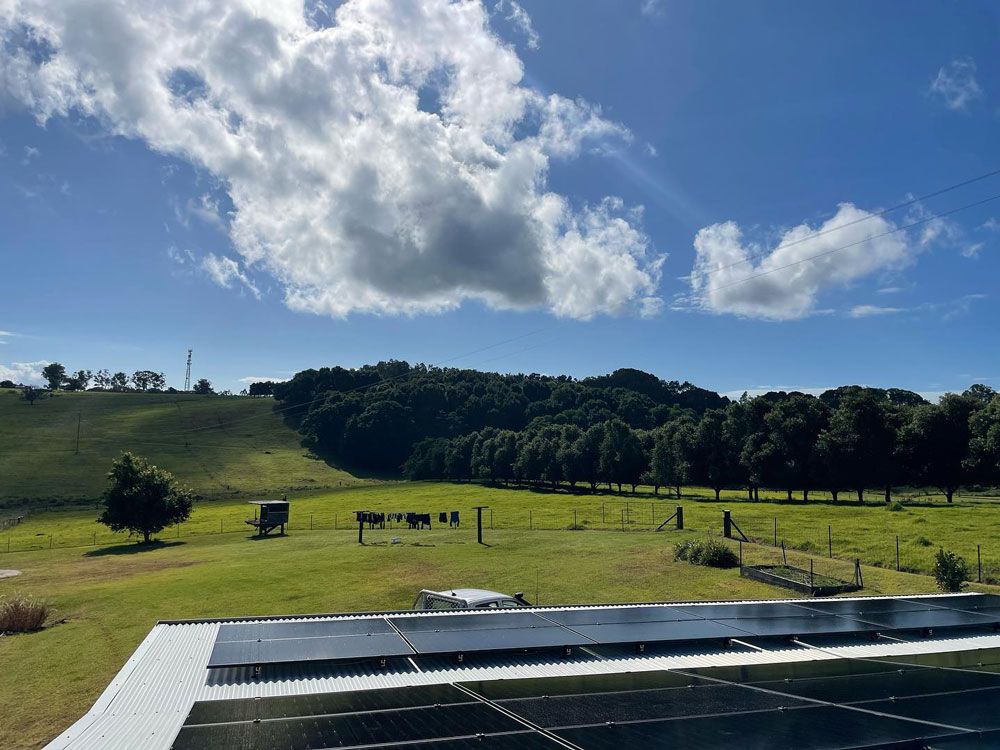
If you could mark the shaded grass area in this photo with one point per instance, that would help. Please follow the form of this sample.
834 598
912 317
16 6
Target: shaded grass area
110 601
217 445
866 532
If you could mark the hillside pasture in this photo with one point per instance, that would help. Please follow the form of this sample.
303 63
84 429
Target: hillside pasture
218 445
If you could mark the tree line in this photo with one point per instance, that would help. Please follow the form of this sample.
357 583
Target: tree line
629 428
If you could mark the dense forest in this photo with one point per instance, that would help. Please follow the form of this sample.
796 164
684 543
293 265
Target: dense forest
630 428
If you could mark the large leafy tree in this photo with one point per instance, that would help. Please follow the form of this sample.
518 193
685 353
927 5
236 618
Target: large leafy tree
983 462
859 442
54 374
711 463
792 428
622 458
934 443
143 499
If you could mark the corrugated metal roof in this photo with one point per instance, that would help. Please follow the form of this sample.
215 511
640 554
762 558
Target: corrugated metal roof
148 701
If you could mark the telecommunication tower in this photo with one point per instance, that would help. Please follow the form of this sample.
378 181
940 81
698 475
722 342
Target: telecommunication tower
187 376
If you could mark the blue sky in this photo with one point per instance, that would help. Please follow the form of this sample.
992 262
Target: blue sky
520 189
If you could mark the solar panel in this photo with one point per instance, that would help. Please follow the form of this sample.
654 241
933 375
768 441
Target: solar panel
478 621
464 632
574 617
814 728
252 631
787 626
978 710
662 632
287 650
318 704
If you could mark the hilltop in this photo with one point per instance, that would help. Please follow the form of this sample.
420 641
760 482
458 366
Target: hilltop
218 445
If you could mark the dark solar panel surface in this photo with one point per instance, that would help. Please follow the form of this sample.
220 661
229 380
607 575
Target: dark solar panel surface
289 650
252 631
278 642
816 705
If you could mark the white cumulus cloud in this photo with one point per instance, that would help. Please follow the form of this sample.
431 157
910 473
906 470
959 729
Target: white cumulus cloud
956 85
732 275
28 373
389 160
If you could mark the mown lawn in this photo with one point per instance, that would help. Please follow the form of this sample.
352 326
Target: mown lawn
108 596
216 445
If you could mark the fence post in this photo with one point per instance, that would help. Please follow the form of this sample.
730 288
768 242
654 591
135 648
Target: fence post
623 519
741 554
775 531
829 539
336 523
95 540
897 553
979 563
784 557
220 525
310 522
680 517
574 518
727 524
811 585
603 518
491 518
652 514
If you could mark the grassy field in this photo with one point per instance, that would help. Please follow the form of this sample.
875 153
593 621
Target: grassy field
238 445
108 596
866 532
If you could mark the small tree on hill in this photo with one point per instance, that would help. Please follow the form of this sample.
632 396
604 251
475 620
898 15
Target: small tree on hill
143 499
203 387
30 394
7 384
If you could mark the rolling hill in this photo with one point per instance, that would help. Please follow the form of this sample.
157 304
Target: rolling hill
219 446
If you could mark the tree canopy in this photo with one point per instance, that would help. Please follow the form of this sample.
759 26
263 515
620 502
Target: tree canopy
630 427
143 499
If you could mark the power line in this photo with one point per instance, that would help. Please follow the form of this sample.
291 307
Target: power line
875 215
902 228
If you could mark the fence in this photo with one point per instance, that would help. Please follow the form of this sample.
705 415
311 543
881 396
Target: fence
883 550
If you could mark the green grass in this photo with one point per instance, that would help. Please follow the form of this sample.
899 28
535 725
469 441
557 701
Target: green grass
866 532
238 446
110 596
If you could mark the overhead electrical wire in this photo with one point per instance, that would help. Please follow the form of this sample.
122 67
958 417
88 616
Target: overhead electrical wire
853 222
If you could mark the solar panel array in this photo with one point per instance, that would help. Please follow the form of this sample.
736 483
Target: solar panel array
383 637
842 703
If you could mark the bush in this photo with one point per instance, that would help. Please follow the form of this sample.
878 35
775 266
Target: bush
895 506
22 614
924 541
710 552
950 571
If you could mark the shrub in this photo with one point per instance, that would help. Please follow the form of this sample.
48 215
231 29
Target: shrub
924 541
895 506
710 552
22 614
950 571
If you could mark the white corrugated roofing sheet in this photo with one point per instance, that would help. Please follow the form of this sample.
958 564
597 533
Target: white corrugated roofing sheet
147 702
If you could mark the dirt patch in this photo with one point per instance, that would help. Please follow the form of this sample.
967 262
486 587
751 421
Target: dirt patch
9 573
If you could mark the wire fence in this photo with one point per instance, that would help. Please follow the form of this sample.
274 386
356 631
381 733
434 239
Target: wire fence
780 536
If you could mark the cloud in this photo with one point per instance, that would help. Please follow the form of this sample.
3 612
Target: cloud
180 256
227 273
972 251
520 19
650 150
733 276
392 161
955 84
651 8
867 311
890 290
30 153
29 373
6 335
